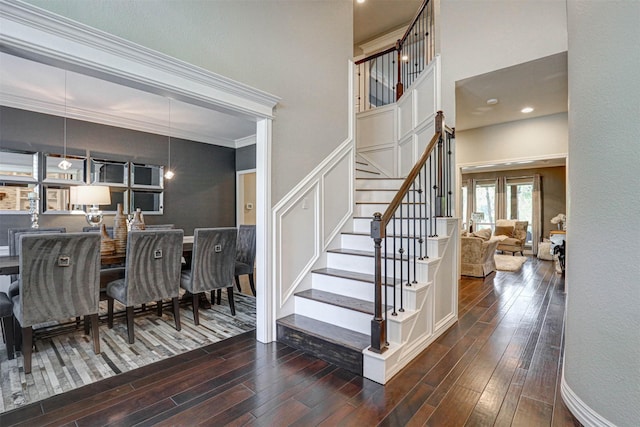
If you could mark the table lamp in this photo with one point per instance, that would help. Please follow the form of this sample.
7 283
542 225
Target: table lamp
93 195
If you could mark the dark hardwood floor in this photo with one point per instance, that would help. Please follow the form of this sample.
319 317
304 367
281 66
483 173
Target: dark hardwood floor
499 365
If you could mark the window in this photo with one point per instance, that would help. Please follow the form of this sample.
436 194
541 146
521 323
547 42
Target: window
485 202
520 202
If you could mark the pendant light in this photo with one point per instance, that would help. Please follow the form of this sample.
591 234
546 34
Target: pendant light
64 163
169 173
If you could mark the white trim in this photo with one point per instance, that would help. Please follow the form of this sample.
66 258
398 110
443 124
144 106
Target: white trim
265 293
36 33
587 416
245 142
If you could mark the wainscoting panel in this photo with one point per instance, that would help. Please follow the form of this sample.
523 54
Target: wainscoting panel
406 156
335 209
298 240
405 114
425 92
384 158
376 127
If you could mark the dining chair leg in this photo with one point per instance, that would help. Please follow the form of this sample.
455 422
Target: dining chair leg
159 308
95 332
27 348
238 283
195 303
232 304
110 312
176 312
7 325
219 296
132 338
252 284
17 338
87 324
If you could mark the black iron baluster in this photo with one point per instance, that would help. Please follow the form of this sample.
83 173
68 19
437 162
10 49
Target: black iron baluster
401 252
393 259
413 232
426 211
419 224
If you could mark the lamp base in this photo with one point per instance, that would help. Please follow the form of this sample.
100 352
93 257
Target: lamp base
94 216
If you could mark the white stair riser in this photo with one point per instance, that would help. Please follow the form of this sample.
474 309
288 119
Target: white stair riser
351 288
382 196
363 264
365 243
343 317
436 247
342 286
368 209
409 226
393 184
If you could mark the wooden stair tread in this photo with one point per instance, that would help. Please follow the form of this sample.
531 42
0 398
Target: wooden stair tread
338 300
366 171
391 179
357 252
404 236
326 331
386 203
352 275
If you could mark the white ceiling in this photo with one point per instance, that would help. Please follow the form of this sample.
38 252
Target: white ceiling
38 87
374 18
540 84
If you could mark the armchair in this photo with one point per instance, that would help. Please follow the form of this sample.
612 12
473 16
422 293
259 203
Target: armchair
516 235
477 256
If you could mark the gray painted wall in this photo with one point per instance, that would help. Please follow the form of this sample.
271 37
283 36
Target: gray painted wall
202 194
246 157
602 346
295 49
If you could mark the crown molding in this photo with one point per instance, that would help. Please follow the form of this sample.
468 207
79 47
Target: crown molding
33 32
383 42
246 141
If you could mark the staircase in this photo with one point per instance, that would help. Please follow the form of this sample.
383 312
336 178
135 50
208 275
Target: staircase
332 320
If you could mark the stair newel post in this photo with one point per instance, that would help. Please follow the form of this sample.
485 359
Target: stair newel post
378 324
399 86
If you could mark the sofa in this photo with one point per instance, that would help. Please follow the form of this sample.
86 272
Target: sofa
515 233
476 253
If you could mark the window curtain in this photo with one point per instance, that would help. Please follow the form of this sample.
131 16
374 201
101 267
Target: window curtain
471 199
501 198
536 227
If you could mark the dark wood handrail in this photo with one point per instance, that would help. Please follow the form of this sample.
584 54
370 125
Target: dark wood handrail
397 200
413 21
376 55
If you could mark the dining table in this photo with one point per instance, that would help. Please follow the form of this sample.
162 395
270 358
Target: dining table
10 264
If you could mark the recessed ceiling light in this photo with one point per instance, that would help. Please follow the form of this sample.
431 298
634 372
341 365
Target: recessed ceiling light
360 1
492 101
526 110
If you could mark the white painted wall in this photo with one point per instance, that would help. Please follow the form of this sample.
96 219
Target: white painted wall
601 381
479 36
537 138
283 47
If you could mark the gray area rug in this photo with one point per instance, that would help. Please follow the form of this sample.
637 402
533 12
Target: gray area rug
65 362
509 262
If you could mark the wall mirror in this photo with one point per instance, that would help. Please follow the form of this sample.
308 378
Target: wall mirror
109 172
148 176
53 173
149 202
18 166
118 195
56 200
14 197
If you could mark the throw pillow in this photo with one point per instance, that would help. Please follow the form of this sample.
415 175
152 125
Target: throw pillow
504 231
484 234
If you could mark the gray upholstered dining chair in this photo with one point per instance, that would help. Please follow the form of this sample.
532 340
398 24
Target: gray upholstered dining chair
14 248
6 313
152 273
59 279
246 255
159 226
212 265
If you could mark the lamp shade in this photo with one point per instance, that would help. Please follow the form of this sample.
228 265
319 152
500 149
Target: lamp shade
92 195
